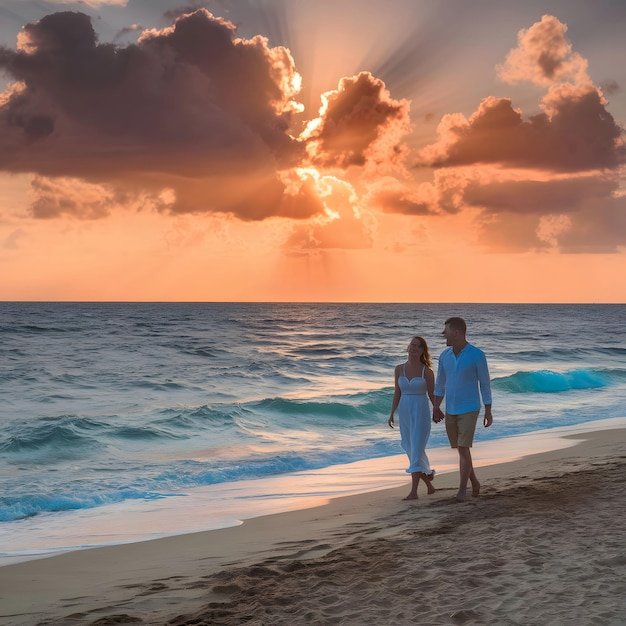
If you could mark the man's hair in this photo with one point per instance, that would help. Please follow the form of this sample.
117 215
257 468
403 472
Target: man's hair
456 323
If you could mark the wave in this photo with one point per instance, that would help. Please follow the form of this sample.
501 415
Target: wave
548 381
573 354
28 505
180 476
71 436
367 406
64 437
26 329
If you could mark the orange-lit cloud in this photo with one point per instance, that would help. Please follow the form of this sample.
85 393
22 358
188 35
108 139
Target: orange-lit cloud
551 180
190 119
344 223
544 56
194 119
358 123
393 196
580 134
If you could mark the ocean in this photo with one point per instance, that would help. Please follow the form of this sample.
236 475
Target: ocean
128 421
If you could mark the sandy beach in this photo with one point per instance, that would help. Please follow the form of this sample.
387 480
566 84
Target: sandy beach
543 544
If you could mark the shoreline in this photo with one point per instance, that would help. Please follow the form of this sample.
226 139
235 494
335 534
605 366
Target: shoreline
229 505
212 573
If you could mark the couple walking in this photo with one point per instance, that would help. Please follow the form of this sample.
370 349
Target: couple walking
462 370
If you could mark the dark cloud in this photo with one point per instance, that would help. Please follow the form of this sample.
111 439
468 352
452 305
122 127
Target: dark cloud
401 203
580 134
533 197
390 196
610 87
179 108
598 227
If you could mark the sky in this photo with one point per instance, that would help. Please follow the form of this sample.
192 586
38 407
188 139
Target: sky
313 150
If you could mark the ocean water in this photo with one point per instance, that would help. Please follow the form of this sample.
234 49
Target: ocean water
113 409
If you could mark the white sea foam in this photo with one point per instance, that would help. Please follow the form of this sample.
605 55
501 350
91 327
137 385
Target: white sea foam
229 504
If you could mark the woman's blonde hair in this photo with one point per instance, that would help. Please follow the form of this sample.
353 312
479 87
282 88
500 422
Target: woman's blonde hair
425 358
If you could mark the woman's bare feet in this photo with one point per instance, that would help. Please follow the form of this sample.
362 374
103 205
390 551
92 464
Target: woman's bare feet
428 479
411 496
475 489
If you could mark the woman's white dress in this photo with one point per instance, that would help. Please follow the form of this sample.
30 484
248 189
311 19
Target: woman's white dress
414 417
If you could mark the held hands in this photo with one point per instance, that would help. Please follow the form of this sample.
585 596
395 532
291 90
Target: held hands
438 415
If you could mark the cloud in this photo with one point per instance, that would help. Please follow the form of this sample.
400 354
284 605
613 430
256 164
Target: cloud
392 196
192 109
610 87
57 197
194 119
358 123
12 241
597 227
133 29
182 108
574 214
344 224
574 132
539 197
548 181
544 56
579 134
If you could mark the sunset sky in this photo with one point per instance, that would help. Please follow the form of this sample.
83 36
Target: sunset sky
313 150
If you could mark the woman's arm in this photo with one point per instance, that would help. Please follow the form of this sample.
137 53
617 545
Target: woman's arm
396 396
429 376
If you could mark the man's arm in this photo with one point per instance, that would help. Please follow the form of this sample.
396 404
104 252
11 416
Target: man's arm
485 389
438 414
488 419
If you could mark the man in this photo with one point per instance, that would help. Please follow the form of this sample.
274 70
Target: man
462 370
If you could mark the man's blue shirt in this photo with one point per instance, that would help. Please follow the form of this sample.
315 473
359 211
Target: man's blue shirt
459 377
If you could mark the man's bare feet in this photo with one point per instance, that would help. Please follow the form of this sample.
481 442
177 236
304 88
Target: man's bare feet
411 496
460 496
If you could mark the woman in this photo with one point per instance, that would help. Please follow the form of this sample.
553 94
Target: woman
414 385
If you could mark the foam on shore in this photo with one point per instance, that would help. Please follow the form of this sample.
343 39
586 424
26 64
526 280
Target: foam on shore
229 504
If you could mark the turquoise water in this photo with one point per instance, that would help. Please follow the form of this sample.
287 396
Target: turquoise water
110 404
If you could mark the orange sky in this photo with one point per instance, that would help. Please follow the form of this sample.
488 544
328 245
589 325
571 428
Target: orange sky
312 152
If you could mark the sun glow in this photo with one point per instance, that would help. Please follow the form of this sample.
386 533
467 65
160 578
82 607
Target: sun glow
309 151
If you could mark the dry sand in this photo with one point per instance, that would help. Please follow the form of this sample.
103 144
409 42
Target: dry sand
544 544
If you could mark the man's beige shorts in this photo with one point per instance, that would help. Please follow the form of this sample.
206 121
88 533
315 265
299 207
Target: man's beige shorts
461 428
